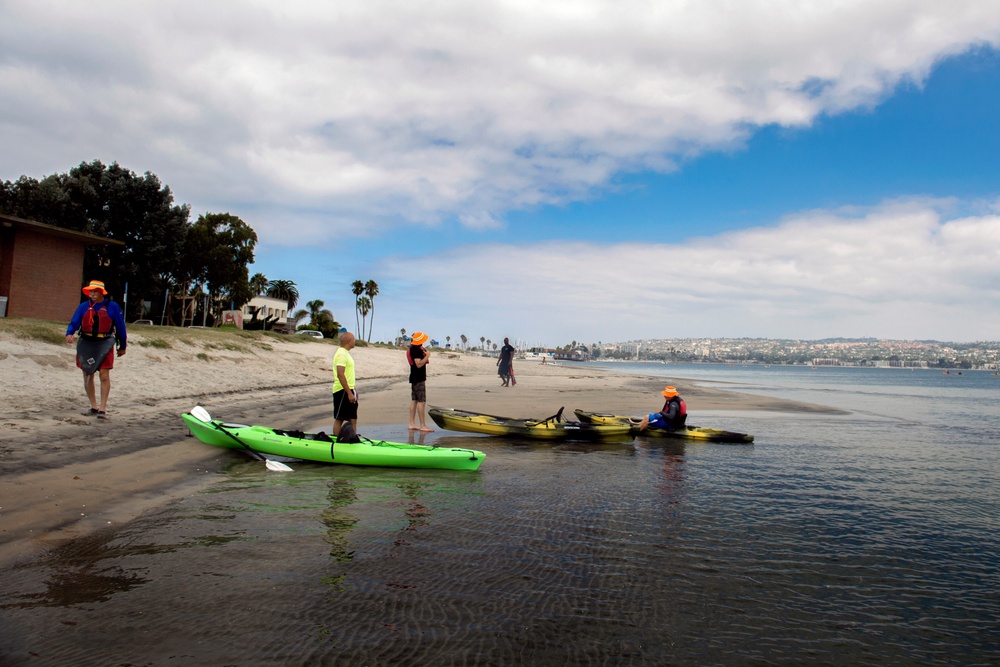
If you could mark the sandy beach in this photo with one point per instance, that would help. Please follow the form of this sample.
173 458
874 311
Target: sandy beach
66 474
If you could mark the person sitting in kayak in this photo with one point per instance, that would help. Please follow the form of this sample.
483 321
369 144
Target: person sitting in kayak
672 417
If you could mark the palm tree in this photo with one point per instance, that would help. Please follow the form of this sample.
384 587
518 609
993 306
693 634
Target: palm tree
448 339
371 291
258 284
320 318
358 288
482 342
364 306
284 290
465 341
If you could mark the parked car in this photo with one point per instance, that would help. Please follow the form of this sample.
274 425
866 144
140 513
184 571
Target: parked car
310 332
148 322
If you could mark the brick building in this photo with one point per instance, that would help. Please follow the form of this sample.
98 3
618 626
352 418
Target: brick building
41 268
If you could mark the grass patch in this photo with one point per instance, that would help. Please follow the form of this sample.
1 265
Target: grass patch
31 329
203 356
163 337
225 345
158 343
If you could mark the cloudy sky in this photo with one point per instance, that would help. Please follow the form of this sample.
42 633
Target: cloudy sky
567 170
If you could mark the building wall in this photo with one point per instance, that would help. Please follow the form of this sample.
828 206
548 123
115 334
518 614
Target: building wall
45 275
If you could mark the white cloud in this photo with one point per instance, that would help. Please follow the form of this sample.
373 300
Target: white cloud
425 111
900 270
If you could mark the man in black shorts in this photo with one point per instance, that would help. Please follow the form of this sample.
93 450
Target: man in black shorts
345 399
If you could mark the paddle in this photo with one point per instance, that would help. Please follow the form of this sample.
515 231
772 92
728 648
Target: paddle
201 414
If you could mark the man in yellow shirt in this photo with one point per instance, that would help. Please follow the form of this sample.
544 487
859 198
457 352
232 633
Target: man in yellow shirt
345 399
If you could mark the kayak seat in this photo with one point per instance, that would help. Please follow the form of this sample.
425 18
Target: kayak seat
301 435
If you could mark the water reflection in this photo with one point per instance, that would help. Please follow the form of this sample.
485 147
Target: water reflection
339 525
78 573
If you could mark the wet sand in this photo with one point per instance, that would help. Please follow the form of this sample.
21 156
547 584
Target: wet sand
66 474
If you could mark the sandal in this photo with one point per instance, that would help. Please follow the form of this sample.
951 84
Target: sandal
90 413
101 414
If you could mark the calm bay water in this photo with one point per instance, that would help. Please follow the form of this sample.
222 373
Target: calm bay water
867 538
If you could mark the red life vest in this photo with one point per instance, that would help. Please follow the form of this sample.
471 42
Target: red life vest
96 321
681 411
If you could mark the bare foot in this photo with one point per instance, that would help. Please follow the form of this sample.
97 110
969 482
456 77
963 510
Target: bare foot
411 428
424 429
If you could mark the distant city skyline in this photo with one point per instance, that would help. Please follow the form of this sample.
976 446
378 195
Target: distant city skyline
564 170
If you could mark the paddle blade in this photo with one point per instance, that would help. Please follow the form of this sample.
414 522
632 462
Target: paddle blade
201 414
277 466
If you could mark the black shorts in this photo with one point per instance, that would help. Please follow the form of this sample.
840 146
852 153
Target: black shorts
343 409
418 392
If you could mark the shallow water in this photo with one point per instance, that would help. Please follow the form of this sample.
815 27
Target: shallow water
868 538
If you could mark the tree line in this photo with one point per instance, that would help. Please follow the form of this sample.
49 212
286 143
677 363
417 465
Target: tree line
163 252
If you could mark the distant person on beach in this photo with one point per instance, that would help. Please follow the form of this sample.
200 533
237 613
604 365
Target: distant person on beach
672 417
505 364
345 398
101 326
418 358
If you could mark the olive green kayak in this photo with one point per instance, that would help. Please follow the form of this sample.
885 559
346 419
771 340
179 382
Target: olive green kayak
322 448
688 432
552 428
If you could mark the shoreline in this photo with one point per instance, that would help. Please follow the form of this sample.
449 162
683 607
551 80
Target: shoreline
67 474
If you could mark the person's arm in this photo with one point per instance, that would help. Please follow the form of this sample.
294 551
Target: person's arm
76 322
119 320
423 361
342 378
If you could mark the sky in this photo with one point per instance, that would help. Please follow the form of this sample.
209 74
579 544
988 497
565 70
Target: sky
574 170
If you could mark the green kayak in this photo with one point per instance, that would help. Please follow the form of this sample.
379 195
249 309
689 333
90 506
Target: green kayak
322 448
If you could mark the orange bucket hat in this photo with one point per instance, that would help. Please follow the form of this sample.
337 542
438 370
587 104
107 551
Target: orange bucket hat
669 391
95 284
419 338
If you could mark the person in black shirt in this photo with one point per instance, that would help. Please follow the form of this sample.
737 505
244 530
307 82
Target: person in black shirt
418 357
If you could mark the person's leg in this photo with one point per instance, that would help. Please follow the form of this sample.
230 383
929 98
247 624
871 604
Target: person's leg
413 416
337 420
105 388
423 418
88 385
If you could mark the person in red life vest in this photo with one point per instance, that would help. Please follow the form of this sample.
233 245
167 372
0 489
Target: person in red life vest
672 417
418 357
101 326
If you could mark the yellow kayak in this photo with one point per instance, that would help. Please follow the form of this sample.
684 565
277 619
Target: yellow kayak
688 432
552 428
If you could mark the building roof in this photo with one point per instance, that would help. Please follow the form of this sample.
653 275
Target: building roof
9 221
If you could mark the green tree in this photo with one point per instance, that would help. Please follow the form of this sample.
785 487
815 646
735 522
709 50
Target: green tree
116 203
371 291
258 284
358 288
218 251
482 341
465 341
286 290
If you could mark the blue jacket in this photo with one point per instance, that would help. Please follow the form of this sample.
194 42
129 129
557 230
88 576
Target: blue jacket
115 326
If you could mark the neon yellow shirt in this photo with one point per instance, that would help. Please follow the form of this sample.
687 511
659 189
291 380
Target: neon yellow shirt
343 358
